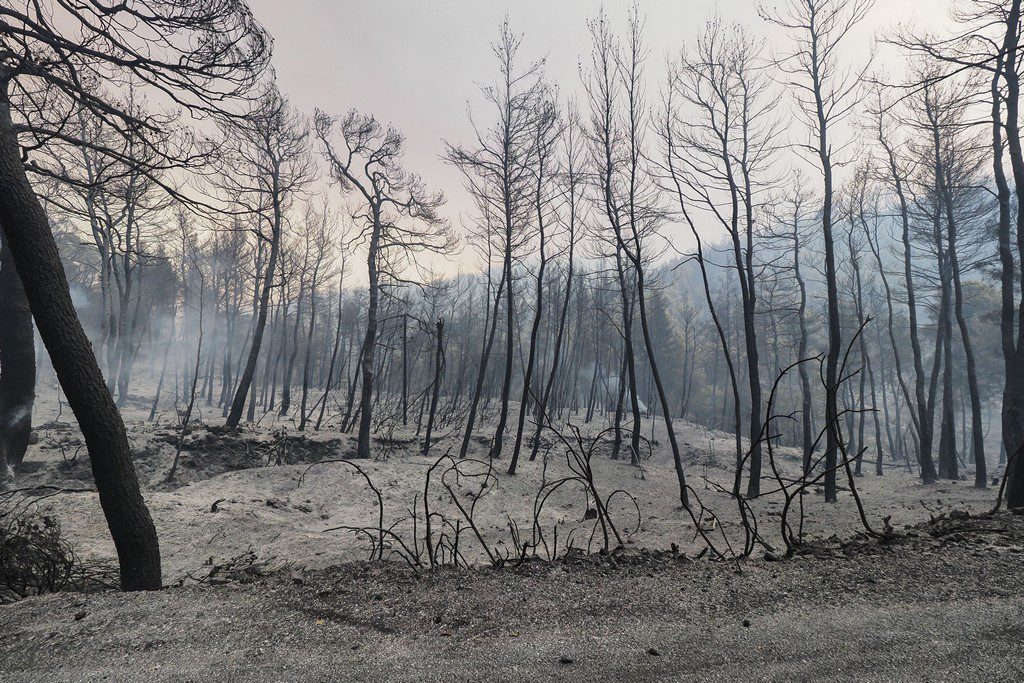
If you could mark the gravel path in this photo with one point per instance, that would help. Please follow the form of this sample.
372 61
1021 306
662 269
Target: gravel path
944 603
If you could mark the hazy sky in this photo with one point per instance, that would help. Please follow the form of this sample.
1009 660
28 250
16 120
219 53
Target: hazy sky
416 63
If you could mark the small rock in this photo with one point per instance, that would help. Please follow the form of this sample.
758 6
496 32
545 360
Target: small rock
565 659
79 616
746 623
653 652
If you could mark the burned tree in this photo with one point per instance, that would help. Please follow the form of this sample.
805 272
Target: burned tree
573 219
499 172
211 54
729 146
825 95
266 161
607 139
397 216
546 140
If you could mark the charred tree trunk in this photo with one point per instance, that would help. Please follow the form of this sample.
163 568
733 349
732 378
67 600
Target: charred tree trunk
527 395
436 389
629 355
806 430
245 381
510 310
977 427
482 370
46 287
835 336
920 416
17 363
289 371
334 355
542 408
307 358
369 342
405 369
1012 412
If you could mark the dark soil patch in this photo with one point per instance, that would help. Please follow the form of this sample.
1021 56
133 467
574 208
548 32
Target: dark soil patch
209 451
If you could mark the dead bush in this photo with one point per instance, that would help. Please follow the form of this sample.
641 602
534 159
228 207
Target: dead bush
35 558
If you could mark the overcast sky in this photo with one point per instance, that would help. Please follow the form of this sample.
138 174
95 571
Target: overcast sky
416 63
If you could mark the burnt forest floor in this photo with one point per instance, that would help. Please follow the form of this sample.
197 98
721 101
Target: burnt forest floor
942 601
